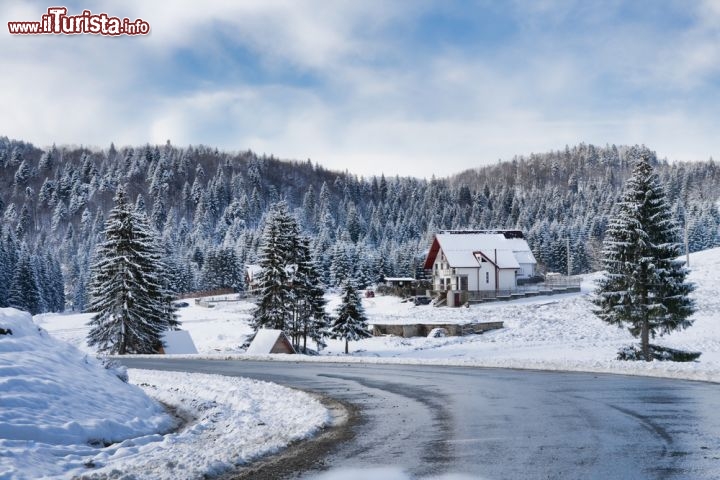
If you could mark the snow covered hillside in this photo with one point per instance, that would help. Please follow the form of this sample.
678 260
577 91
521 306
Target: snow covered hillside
64 415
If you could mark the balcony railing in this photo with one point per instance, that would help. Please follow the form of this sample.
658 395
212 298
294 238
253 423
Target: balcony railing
556 284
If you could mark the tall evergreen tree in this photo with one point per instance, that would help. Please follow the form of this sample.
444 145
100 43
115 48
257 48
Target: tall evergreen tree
5 272
309 302
274 307
132 307
25 289
351 322
645 287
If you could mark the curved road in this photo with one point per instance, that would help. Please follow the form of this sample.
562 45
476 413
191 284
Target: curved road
504 424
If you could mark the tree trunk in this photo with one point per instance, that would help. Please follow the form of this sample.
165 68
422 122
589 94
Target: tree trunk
645 339
346 346
645 330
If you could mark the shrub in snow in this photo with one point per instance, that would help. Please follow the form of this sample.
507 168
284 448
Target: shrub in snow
437 333
115 367
635 352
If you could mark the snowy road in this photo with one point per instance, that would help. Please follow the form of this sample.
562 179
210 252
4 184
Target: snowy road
421 421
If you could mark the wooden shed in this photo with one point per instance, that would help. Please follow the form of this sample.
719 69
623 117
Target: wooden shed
270 341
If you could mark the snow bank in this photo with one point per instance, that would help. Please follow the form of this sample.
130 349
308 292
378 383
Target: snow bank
54 397
63 415
234 421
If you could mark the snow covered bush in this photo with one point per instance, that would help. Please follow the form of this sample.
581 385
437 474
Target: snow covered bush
635 352
119 370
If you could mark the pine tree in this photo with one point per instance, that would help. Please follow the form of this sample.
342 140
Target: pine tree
127 293
5 272
57 284
274 307
645 286
309 301
351 322
24 289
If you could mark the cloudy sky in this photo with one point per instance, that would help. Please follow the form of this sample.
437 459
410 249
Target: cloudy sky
390 86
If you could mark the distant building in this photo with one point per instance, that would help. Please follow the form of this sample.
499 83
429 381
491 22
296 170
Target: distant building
252 277
399 282
479 260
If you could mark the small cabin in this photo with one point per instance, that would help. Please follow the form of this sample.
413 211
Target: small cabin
177 342
268 341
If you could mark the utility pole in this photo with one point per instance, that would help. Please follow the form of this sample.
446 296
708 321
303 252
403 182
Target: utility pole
569 262
687 249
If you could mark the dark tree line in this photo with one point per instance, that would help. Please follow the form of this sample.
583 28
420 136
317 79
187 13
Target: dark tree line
30 280
210 208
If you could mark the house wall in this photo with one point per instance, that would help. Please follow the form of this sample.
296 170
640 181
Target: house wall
282 346
507 280
527 270
439 267
482 282
471 274
444 279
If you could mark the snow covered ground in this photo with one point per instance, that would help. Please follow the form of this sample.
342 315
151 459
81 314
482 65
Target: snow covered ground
51 424
63 415
555 332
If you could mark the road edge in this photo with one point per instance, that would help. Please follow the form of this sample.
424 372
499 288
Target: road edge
306 454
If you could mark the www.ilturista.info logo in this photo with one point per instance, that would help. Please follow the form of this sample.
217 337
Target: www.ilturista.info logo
58 22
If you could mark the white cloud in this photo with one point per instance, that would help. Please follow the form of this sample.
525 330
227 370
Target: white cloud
375 107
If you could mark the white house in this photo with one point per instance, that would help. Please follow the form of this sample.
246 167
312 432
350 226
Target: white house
479 260
252 276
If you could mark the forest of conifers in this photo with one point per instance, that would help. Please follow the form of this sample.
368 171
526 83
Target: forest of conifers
208 208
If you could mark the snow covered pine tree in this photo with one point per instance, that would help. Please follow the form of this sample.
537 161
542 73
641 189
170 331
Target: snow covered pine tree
132 306
310 317
351 322
276 248
645 286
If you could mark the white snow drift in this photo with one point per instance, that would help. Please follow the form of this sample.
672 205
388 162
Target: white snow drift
64 415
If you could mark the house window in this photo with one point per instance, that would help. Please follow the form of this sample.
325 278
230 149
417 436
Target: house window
487 277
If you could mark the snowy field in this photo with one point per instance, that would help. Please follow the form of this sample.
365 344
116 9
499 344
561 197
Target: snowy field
554 333
51 424
62 415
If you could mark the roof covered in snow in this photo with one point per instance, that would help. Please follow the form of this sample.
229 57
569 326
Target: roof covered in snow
178 342
252 271
269 341
463 249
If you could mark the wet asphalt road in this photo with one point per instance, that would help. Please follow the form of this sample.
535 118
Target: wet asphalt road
504 424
